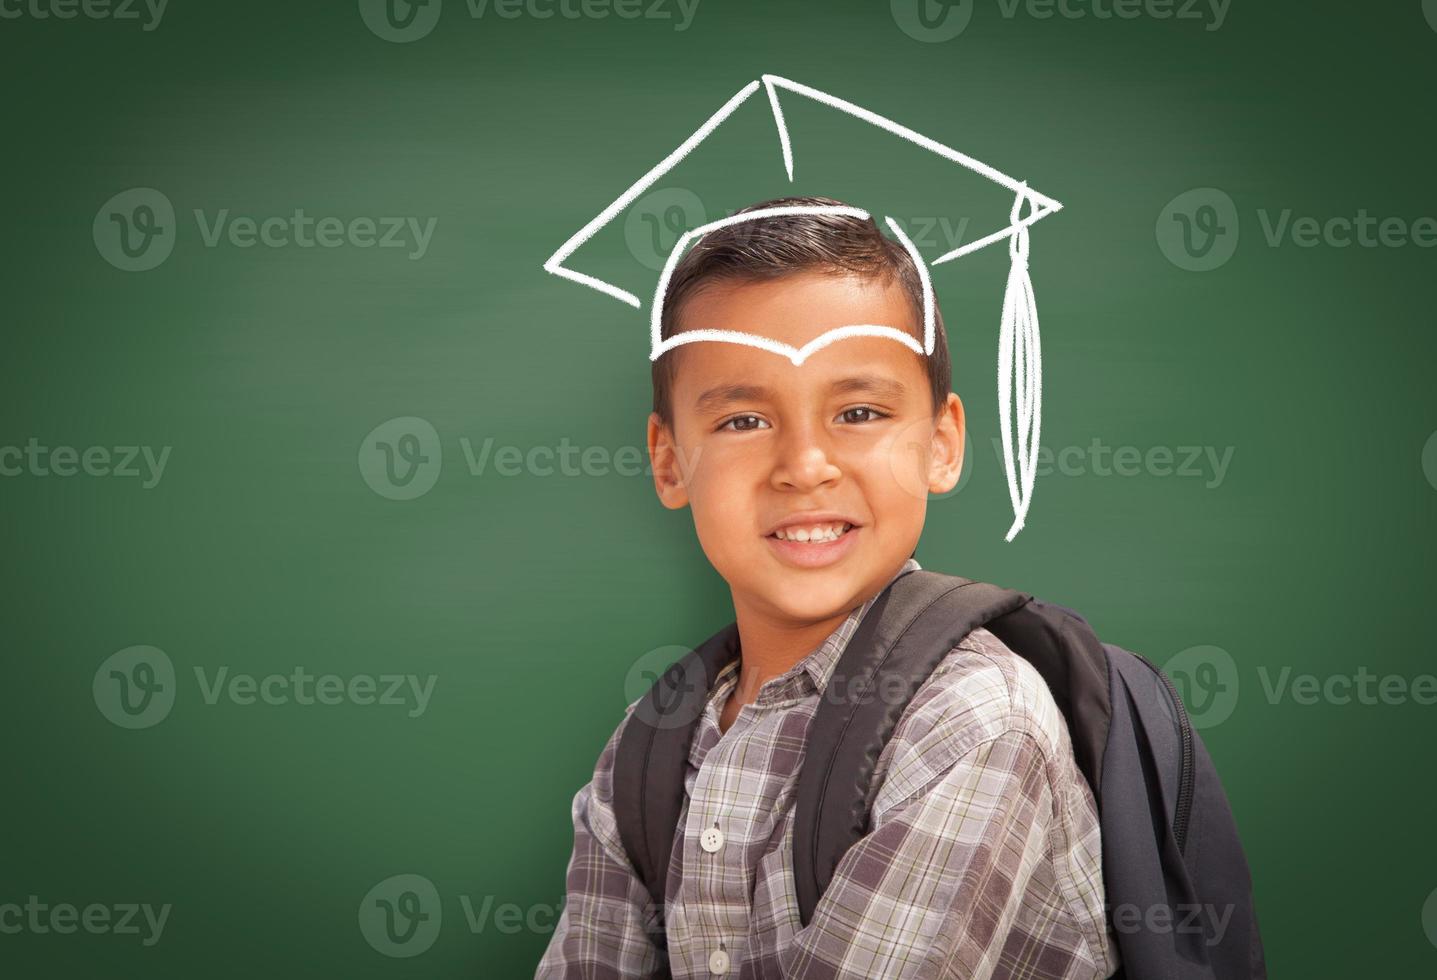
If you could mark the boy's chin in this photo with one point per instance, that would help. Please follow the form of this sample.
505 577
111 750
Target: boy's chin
813 596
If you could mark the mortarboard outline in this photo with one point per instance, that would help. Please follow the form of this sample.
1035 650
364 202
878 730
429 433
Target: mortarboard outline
1020 376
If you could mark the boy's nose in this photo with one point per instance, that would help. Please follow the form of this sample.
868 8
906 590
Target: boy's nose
804 462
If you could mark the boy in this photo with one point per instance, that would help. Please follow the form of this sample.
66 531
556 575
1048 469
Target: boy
808 487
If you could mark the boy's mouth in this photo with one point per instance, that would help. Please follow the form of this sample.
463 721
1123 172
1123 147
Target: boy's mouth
815 533
812 543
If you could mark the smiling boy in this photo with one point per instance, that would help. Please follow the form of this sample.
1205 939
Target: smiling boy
808 489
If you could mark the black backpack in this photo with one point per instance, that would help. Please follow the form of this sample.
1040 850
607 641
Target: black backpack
1178 889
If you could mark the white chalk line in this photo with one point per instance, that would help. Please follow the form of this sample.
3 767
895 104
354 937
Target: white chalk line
1020 358
796 355
912 136
556 261
1043 204
1020 351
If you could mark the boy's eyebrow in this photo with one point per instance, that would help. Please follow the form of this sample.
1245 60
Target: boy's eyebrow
720 395
872 384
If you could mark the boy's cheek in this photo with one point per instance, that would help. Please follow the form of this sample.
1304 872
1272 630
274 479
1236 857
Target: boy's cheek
725 524
716 469
723 502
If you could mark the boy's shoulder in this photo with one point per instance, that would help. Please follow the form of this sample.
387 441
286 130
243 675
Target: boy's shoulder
989 688
980 691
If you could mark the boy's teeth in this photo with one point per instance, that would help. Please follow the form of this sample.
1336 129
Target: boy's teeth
819 532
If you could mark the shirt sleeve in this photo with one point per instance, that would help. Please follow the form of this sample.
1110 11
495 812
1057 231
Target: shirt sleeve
954 881
609 922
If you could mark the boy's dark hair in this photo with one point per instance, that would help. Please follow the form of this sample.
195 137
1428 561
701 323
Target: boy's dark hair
781 245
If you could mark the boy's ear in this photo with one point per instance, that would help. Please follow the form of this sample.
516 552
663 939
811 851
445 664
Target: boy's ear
946 461
665 457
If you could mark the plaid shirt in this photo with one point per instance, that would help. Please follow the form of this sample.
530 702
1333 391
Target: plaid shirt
983 859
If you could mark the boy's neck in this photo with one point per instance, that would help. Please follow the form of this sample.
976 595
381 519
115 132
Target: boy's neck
769 646
770 649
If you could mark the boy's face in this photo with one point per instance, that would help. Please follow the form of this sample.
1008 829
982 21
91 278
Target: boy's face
764 452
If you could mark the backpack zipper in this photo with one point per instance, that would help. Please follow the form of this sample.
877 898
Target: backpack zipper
1185 781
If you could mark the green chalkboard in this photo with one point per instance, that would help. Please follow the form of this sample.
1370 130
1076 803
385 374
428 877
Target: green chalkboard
330 556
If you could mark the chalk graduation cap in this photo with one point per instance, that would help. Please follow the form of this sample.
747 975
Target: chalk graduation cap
1020 373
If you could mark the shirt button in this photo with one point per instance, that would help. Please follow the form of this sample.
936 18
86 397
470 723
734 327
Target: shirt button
718 961
711 840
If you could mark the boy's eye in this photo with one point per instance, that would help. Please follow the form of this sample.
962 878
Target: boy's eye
863 413
743 423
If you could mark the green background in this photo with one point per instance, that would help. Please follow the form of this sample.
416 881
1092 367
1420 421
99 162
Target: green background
538 601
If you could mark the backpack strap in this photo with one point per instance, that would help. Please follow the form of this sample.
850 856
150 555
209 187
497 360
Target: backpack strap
907 632
652 753
1063 648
